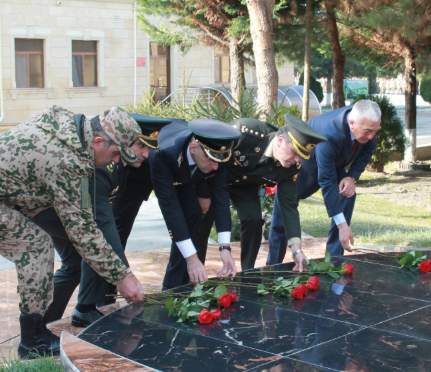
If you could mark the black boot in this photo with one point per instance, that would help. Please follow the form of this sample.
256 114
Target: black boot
36 338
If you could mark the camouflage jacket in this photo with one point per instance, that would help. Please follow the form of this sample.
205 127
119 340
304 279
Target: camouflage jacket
44 162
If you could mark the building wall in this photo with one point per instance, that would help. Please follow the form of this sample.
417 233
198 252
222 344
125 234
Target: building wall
71 20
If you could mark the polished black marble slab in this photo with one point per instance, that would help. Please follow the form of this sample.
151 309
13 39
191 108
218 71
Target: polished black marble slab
370 350
289 365
338 301
260 326
378 319
415 324
168 349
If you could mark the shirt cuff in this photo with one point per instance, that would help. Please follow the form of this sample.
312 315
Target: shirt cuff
292 241
186 247
224 237
339 218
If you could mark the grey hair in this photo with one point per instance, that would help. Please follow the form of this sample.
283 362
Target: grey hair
98 131
283 132
365 109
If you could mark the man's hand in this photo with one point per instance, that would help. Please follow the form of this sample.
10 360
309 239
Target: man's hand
205 204
131 289
228 264
196 269
345 234
299 266
347 187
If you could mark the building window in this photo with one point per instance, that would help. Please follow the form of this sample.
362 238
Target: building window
221 65
84 63
29 63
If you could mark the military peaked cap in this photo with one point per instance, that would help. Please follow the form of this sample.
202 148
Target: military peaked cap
215 137
150 127
304 138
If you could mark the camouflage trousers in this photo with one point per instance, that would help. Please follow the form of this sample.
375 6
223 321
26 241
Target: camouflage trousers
31 249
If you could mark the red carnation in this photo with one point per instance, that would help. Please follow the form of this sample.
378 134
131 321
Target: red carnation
348 268
425 267
225 300
205 317
298 292
233 297
313 283
216 313
271 190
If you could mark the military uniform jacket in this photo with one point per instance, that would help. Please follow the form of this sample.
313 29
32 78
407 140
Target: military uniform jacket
249 166
46 162
110 182
170 172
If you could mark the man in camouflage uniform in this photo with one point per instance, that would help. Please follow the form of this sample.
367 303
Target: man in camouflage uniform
47 161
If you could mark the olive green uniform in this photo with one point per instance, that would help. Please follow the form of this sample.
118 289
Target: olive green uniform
251 167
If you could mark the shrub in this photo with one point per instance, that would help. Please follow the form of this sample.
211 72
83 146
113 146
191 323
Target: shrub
426 89
390 137
315 87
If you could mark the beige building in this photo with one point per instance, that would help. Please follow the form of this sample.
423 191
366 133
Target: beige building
89 55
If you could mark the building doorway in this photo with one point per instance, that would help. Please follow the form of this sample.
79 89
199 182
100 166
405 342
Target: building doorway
160 79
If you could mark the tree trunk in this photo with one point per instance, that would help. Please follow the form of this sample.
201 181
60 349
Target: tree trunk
307 62
261 26
338 56
410 99
237 77
328 90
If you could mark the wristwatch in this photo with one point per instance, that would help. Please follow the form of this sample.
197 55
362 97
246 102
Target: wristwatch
224 247
294 254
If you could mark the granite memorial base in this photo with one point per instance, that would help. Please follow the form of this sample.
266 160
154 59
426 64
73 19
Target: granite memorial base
378 319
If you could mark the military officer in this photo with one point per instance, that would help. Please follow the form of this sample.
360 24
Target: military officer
110 182
47 161
265 156
188 155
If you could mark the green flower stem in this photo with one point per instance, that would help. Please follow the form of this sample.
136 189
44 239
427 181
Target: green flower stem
339 270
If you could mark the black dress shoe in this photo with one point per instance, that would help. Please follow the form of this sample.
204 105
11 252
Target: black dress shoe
83 320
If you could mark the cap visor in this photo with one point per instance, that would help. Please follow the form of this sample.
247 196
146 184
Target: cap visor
219 157
128 155
152 144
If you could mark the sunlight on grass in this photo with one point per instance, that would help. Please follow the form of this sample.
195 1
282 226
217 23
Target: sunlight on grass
14 364
375 221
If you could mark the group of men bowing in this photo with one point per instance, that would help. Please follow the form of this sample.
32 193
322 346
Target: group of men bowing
76 184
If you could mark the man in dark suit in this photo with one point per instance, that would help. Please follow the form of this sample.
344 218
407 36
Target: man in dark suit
188 155
350 131
108 183
264 157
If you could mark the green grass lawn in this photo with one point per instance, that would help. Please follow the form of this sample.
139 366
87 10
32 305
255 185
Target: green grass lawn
375 221
13 364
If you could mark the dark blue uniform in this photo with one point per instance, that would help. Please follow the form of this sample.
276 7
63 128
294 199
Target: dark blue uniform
174 186
325 169
248 170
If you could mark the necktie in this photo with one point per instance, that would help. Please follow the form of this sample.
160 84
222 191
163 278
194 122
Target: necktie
192 169
354 146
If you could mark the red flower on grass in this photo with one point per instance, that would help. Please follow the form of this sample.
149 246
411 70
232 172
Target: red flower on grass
348 268
425 267
225 300
313 283
216 313
205 317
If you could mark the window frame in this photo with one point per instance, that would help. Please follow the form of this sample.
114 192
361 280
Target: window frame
28 62
221 55
83 54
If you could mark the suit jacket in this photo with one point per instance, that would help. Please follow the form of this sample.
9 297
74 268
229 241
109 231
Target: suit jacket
249 166
170 172
330 158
